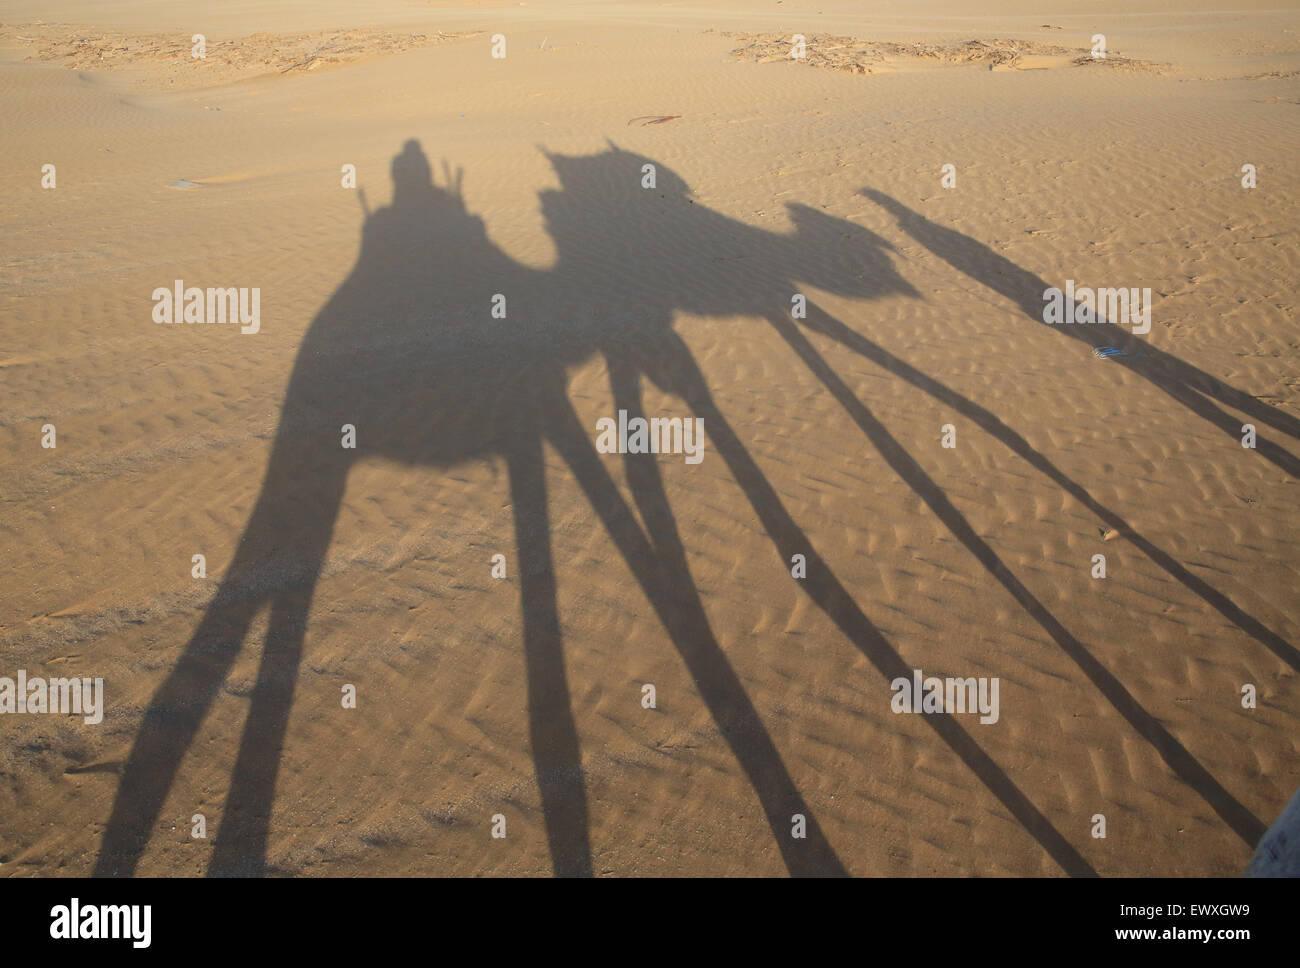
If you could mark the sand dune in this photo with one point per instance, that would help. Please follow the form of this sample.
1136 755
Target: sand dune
476 435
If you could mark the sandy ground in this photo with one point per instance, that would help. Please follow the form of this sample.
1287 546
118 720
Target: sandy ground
522 696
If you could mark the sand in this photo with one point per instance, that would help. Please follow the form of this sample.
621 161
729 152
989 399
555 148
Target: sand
521 697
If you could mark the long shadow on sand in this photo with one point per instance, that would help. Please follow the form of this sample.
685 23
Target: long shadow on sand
1195 389
406 352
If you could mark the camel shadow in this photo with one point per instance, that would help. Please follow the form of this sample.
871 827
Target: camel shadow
408 353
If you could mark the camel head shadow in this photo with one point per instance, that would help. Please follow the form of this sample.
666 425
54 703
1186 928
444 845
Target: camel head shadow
672 253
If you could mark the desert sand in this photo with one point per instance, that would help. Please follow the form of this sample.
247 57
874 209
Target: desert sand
522 697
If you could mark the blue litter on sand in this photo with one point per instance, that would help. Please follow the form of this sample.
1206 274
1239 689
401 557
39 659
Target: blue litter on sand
1104 352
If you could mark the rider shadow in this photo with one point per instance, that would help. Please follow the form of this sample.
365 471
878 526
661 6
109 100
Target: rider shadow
407 352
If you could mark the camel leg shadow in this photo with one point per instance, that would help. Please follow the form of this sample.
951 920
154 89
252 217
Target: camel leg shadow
668 587
1176 756
552 732
819 321
683 377
278 560
713 674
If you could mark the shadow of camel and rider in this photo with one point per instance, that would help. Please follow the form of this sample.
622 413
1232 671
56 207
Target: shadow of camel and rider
407 352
